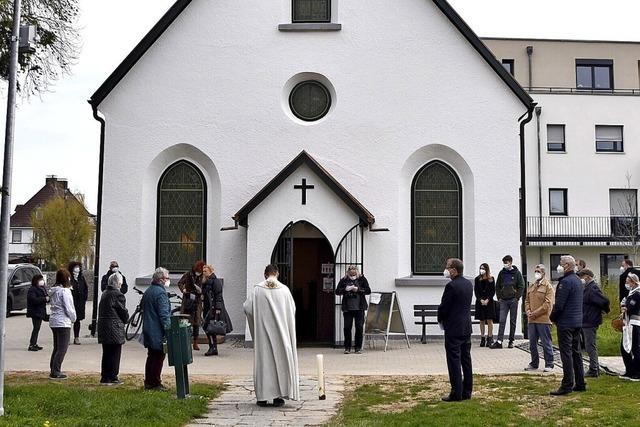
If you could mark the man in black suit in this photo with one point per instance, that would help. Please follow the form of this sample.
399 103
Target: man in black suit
454 316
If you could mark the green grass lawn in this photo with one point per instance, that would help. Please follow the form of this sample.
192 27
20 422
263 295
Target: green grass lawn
32 400
519 400
608 339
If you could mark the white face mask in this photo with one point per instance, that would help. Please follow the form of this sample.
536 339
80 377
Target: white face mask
446 274
584 282
76 271
560 269
115 269
538 276
41 283
354 277
627 286
507 266
576 269
482 271
167 283
198 274
622 269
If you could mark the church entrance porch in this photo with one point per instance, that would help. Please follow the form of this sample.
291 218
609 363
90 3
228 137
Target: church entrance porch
300 253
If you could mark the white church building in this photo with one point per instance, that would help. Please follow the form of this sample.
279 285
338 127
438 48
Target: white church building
308 133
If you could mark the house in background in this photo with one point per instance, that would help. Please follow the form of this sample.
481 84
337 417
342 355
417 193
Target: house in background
21 233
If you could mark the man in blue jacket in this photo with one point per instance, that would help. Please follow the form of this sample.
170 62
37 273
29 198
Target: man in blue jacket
454 316
156 311
567 315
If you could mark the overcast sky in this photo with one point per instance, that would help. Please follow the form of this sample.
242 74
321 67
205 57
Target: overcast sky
56 134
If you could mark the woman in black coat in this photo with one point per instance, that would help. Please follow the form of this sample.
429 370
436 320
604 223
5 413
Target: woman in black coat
112 316
80 293
353 287
214 308
484 290
37 300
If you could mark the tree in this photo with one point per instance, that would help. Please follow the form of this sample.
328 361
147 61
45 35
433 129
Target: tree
63 231
624 225
57 49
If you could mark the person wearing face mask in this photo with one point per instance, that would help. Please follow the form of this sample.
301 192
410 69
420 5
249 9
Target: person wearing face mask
509 288
626 268
484 290
594 303
538 303
191 287
112 315
37 300
454 316
80 292
156 313
630 346
213 307
353 287
567 315
114 268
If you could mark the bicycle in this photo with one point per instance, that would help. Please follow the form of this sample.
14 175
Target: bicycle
134 324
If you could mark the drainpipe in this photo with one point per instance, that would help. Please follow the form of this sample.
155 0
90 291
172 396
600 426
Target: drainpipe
538 112
96 267
524 119
529 53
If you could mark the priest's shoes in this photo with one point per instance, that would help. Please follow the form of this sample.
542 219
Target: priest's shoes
278 402
262 403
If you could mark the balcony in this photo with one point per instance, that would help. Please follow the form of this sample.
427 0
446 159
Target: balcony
582 91
606 229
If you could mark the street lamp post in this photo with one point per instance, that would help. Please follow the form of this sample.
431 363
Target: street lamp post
5 213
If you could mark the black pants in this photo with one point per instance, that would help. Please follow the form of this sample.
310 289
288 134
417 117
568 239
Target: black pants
153 368
632 360
458 351
110 362
76 329
570 354
196 331
35 331
61 338
349 318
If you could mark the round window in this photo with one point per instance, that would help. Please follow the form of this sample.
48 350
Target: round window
310 100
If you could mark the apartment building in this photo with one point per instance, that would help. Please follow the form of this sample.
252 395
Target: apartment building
582 148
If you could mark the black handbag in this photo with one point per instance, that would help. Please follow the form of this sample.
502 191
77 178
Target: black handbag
216 327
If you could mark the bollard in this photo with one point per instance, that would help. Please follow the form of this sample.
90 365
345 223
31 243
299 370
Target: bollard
321 389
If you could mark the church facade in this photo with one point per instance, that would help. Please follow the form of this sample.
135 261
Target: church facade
313 135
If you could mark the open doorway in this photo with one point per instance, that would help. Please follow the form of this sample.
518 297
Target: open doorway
300 252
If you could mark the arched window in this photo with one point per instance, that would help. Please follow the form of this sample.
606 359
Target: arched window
181 226
436 218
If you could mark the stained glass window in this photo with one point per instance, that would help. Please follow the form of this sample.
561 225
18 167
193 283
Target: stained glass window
436 218
310 100
311 10
181 217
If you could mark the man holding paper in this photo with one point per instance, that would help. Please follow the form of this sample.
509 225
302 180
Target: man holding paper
353 287
454 317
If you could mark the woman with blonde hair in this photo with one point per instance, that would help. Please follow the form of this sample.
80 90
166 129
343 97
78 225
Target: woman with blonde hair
538 305
214 308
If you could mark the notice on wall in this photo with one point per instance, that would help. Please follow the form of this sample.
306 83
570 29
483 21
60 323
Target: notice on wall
326 269
327 284
375 298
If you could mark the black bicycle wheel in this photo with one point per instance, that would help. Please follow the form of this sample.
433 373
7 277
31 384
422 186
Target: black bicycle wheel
134 325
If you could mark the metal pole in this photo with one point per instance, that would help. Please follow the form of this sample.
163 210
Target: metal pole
6 186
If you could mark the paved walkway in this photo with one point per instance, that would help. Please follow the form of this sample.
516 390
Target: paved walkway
237 406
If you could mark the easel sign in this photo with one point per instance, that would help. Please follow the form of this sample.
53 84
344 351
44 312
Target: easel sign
384 317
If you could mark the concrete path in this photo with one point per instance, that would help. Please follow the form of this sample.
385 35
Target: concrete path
237 406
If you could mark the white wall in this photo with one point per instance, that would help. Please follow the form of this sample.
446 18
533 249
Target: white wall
211 90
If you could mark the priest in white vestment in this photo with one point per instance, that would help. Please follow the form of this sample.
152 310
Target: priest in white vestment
271 314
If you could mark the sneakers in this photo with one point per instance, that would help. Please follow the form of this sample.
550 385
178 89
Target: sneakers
59 376
510 344
483 342
76 341
495 345
347 351
530 367
548 369
358 351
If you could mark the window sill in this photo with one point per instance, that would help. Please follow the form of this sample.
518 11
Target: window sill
313 26
609 152
556 152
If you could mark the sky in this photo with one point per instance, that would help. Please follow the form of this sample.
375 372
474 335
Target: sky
57 135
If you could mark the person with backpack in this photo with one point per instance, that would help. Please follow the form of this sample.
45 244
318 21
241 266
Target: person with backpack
594 303
509 288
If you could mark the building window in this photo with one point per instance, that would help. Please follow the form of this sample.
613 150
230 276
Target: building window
508 65
554 262
594 74
16 236
311 11
555 138
609 139
310 100
181 226
558 201
623 206
610 267
436 218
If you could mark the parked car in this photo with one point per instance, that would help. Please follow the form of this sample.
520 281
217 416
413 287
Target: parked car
20 276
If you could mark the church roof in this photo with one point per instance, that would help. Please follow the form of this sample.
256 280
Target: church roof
304 158
180 5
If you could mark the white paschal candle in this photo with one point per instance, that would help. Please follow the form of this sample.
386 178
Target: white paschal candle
321 392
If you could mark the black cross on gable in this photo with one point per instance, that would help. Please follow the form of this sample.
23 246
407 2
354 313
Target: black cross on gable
304 187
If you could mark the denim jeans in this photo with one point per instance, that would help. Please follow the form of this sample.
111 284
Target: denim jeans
508 307
542 332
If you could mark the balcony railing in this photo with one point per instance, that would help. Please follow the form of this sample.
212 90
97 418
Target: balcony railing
583 229
582 91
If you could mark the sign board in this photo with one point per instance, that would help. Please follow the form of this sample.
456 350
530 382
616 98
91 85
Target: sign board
327 284
327 269
384 317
